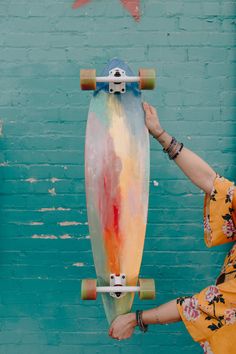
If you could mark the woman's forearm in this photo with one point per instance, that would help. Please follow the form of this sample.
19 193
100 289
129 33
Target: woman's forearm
196 169
163 314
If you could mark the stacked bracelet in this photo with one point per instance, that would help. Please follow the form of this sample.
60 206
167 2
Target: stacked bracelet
142 326
174 149
178 152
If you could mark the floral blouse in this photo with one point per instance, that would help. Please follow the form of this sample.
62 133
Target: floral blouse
210 316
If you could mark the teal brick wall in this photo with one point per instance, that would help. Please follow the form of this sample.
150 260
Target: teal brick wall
44 238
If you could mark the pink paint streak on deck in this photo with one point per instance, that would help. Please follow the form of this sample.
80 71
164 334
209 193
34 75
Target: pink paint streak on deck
109 207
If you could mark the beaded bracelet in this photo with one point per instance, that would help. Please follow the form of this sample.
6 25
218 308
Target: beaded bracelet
142 326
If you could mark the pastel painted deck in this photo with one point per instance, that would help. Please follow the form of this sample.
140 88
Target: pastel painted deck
117 185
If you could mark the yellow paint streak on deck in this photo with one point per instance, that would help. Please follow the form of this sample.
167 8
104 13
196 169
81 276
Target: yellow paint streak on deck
133 216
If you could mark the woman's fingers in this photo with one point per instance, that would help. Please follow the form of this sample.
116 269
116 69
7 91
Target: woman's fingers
146 107
149 110
152 110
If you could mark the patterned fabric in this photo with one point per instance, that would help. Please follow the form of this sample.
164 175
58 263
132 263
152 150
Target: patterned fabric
210 316
219 215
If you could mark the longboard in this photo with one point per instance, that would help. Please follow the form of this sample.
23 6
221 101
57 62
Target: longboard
117 187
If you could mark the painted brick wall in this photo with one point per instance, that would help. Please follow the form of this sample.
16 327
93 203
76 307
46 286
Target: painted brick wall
44 238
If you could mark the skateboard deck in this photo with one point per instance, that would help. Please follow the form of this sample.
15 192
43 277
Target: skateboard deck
117 185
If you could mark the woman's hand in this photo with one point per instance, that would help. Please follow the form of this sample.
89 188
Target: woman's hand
152 120
123 326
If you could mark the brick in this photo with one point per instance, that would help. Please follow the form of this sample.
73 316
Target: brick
228 25
199 24
228 9
207 54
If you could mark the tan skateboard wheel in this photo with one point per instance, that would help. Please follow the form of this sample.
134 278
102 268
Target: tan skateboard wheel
147 79
88 289
147 289
88 79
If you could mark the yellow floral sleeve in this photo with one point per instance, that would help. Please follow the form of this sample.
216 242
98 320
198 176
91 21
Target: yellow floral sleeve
210 315
219 213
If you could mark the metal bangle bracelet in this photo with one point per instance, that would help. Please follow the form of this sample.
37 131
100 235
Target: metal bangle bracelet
142 326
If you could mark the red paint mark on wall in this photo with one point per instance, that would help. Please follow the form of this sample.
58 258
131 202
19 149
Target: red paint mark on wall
132 6
79 3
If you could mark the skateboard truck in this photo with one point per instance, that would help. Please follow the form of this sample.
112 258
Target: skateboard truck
117 79
115 281
145 288
114 86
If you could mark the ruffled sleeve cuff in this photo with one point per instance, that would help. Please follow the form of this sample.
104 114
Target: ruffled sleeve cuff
219 213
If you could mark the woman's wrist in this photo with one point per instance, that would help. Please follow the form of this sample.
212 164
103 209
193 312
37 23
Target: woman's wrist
132 319
157 132
163 138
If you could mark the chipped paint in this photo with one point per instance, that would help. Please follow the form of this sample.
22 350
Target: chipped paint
52 191
26 223
189 137
69 223
66 236
51 237
54 209
79 264
1 128
54 179
3 164
155 183
31 180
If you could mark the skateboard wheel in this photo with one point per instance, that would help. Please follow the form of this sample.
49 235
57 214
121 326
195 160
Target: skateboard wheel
147 289
147 79
88 289
88 79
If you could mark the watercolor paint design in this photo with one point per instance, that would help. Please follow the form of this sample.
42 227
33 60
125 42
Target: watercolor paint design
117 188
